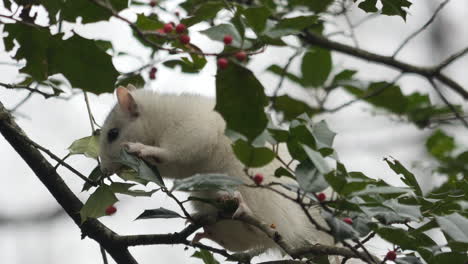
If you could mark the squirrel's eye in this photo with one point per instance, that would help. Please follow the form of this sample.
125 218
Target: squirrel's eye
112 134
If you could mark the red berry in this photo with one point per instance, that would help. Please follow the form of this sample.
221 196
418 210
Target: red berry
348 220
258 178
241 56
223 63
111 210
391 255
321 197
180 28
184 39
227 39
153 3
168 28
152 74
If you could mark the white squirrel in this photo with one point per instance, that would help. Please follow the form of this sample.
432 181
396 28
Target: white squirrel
182 135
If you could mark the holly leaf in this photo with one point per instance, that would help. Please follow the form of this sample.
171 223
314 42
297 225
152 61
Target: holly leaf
316 66
95 176
124 188
207 182
251 156
97 203
455 225
291 108
76 58
389 7
88 146
90 12
240 99
309 178
206 256
143 169
158 213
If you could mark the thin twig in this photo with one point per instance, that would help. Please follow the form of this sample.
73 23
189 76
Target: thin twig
446 101
452 58
90 114
59 160
417 32
30 89
104 256
350 26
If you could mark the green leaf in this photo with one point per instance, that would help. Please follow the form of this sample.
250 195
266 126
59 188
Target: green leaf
291 26
449 257
144 170
219 31
455 225
76 58
240 99
440 144
317 160
188 66
340 230
412 212
251 156
395 7
88 146
158 213
316 66
283 172
124 188
372 189
206 256
97 203
90 12
323 135
369 6
409 260
343 77
257 17
276 69
389 7
291 108
129 174
309 178
402 237
150 22
382 94
207 182
95 176
407 178
204 12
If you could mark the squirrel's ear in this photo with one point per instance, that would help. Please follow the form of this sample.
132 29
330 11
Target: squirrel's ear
126 101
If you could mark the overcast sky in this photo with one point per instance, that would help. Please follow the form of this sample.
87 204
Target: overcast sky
363 138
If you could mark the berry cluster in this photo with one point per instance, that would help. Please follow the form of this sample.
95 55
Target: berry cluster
180 29
241 55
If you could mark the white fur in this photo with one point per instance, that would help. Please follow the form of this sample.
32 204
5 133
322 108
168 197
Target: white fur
193 135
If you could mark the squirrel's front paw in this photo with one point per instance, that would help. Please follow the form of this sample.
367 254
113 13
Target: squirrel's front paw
133 147
152 154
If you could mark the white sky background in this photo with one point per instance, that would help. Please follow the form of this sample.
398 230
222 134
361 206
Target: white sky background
363 139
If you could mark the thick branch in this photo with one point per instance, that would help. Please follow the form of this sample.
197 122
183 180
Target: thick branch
57 187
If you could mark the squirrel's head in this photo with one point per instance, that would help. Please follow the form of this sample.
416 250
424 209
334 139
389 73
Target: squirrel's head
118 128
